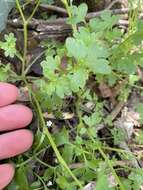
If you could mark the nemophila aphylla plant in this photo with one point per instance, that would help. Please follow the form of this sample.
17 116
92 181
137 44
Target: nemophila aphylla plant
97 52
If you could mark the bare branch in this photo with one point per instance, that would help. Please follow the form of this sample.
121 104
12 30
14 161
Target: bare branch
53 8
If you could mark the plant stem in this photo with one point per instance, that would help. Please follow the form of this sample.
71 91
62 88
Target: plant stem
31 158
20 10
116 150
25 46
69 13
67 7
25 33
33 12
111 167
48 135
109 163
40 179
58 155
30 65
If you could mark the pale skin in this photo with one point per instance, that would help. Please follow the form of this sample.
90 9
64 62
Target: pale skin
14 139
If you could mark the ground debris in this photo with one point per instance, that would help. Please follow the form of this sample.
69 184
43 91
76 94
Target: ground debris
127 122
90 186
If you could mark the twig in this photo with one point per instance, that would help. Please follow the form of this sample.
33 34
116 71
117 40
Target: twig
134 161
123 23
117 110
111 168
113 12
76 165
53 8
45 36
121 123
124 163
34 22
115 2
53 29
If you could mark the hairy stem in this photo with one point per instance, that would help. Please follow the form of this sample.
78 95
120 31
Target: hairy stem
109 164
65 2
111 167
25 32
48 135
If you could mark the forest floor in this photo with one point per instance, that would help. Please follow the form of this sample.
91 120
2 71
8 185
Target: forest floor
81 72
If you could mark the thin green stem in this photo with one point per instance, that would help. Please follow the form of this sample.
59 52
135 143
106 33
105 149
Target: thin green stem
25 33
65 2
31 158
35 9
133 17
25 36
43 163
109 163
20 10
45 129
116 150
67 7
25 24
58 155
30 65
42 181
19 56
40 142
48 135
111 167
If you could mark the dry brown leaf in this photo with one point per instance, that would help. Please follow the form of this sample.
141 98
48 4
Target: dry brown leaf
23 94
65 115
105 90
112 181
90 186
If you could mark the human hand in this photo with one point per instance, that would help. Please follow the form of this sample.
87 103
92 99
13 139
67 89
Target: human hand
13 117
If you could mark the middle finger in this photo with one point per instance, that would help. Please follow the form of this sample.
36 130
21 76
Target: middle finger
14 116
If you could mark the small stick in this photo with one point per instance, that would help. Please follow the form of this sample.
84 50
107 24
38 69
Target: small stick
53 8
34 23
116 111
115 2
113 12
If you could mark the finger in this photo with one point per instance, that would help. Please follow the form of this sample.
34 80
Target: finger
14 116
8 93
15 143
6 175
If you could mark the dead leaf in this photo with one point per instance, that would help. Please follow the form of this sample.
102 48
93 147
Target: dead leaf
23 94
90 105
127 122
105 90
112 181
65 115
64 63
48 115
90 186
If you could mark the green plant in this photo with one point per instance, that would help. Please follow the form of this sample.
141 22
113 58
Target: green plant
97 52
